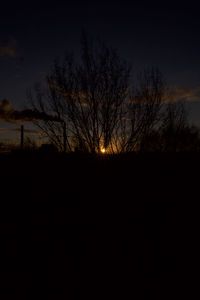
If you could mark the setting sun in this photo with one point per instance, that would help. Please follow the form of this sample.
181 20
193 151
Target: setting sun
103 150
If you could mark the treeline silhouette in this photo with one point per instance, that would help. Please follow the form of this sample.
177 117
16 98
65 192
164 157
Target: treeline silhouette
103 107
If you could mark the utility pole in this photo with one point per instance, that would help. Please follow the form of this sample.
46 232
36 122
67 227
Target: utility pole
64 137
22 137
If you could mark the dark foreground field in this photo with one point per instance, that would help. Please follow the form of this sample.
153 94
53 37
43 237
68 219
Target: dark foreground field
79 227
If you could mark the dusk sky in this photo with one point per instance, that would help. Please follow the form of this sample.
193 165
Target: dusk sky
35 33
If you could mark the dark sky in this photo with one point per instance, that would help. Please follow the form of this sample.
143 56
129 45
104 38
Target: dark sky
33 34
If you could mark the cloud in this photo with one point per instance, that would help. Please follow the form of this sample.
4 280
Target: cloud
29 131
184 93
5 105
3 130
11 115
9 50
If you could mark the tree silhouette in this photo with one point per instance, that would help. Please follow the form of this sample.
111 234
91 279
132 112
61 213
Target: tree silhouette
95 107
176 132
142 111
87 96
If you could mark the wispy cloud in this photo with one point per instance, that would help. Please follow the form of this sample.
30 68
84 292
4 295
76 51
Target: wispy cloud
184 93
29 131
11 115
10 49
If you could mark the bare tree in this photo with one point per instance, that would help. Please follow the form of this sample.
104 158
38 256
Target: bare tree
87 96
95 106
47 101
142 111
174 126
174 133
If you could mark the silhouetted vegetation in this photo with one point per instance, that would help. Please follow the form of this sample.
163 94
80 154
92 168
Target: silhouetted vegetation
97 106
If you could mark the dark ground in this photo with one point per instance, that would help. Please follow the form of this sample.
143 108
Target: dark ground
78 227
